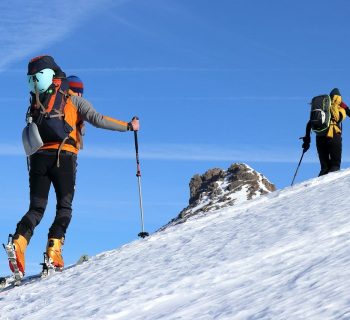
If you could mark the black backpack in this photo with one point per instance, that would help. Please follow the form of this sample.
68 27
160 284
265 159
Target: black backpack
49 116
320 115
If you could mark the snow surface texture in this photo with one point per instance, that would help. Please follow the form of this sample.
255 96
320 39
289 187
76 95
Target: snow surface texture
284 255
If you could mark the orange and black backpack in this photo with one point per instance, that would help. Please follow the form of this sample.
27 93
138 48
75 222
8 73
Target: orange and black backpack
56 117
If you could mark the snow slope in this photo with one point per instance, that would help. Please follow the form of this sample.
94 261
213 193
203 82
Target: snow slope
285 255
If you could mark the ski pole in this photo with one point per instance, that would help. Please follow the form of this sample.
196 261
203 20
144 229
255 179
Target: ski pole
143 233
296 171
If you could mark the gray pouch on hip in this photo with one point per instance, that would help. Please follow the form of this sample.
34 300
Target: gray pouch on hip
31 139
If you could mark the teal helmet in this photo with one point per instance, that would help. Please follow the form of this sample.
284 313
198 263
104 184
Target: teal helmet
41 80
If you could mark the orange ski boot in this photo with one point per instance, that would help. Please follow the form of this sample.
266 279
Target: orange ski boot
54 252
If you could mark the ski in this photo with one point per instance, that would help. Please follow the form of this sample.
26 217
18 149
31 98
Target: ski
9 282
47 270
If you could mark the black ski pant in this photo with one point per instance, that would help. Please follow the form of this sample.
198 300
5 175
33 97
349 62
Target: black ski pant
329 152
44 171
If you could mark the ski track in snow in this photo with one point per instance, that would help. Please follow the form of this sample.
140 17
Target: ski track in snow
285 255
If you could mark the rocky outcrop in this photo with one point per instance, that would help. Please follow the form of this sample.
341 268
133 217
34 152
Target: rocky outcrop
218 188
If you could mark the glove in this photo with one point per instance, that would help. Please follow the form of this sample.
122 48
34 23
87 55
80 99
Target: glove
344 106
306 143
134 124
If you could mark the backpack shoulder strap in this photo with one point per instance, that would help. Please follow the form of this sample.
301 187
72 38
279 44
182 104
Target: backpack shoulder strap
58 100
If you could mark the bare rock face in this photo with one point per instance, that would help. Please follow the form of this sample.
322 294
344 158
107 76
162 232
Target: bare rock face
218 188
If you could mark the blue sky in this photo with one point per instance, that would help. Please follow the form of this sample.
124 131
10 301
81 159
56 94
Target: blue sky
213 83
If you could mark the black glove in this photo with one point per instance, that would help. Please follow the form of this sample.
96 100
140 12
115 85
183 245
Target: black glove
306 143
347 111
130 127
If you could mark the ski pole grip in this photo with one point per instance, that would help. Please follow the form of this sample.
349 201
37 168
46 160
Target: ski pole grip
136 143
134 118
138 170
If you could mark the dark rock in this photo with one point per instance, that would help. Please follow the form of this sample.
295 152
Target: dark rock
218 188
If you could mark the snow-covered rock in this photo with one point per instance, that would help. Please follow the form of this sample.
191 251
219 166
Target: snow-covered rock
219 188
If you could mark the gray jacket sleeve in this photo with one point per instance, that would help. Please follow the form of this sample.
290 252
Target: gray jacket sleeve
89 114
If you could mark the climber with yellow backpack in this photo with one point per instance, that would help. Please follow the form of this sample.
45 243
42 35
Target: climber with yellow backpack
52 139
326 116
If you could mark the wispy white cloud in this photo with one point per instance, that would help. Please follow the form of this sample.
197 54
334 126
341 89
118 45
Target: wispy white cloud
197 152
190 152
203 98
185 69
29 26
11 150
181 98
13 99
155 69
199 69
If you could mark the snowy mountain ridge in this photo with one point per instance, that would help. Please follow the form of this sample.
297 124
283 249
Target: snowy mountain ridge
284 255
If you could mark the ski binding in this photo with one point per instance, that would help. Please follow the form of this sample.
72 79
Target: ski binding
48 268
